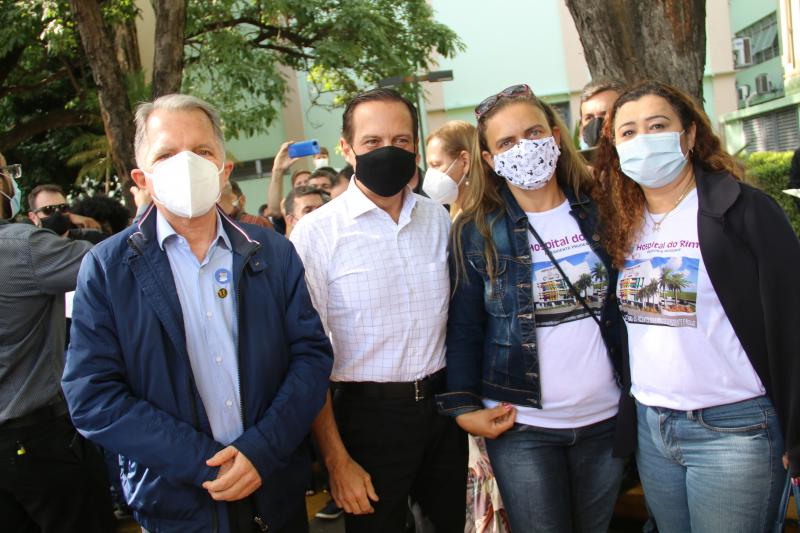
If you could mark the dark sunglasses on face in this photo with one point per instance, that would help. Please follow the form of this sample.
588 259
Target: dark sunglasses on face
50 209
487 104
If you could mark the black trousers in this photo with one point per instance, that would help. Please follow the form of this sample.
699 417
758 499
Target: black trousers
52 480
241 513
408 449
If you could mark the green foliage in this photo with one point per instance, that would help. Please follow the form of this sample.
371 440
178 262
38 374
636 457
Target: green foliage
234 49
234 54
770 172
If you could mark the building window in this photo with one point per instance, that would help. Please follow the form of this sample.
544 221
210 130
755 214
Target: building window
763 35
775 131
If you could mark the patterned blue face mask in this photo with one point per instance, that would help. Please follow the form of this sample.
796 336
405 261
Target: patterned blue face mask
11 172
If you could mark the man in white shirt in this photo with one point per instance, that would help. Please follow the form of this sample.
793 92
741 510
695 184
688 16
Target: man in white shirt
376 267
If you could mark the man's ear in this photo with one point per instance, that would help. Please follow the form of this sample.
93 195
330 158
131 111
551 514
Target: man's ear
347 152
139 178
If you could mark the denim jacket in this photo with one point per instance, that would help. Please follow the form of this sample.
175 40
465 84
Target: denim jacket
491 330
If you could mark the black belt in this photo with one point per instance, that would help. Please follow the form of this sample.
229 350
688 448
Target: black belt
38 416
413 390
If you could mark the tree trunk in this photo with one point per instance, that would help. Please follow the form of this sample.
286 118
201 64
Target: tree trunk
126 47
168 59
114 106
632 40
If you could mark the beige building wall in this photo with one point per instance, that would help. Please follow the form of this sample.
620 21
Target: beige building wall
719 61
146 35
575 65
790 44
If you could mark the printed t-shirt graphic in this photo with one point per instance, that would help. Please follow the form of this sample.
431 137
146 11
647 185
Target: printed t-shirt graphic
555 302
661 290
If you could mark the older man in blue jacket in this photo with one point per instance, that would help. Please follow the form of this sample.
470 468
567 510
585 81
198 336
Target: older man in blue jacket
195 352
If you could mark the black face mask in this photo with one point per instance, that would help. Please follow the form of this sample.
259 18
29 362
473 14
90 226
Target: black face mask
592 130
57 222
385 171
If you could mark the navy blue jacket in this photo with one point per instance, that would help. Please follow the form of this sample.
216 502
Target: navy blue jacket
130 387
491 330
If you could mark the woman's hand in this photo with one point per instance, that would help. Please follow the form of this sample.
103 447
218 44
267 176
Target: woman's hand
489 423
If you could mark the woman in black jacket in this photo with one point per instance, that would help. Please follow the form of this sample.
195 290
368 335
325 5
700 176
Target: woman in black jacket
709 291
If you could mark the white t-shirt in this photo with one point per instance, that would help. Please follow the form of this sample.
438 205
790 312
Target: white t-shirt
683 350
577 380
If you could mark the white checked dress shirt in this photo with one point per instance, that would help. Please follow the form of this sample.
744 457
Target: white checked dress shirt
380 287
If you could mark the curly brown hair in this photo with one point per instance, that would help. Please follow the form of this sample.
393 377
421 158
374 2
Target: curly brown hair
620 199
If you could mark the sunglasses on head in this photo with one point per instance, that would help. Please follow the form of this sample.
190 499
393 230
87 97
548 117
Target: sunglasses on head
50 209
487 104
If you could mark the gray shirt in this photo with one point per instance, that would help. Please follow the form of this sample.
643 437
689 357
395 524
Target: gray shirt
37 268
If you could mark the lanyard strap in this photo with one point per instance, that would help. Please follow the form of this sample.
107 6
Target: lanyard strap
572 289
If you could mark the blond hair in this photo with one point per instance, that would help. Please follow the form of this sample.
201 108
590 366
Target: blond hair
457 136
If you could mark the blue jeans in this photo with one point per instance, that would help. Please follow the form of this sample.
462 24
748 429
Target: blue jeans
557 480
714 469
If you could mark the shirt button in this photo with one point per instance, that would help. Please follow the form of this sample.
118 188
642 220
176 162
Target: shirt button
209 314
229 403
218 359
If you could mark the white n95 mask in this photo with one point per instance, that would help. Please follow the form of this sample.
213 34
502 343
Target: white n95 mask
440 186
186 184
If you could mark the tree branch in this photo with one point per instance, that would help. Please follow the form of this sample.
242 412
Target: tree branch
17 89
266 31
51 120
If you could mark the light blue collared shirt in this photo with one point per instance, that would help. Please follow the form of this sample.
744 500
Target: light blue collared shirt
207 296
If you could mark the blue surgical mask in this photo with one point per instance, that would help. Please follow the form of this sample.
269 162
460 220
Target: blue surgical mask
15 198
652 160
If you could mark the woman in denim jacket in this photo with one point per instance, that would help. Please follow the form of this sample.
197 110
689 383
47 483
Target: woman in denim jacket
533 360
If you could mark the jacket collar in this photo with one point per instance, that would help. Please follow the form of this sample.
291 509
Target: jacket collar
716 191
241 243
516 213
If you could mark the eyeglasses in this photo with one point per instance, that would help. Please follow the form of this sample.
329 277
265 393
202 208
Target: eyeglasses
486 105
50 209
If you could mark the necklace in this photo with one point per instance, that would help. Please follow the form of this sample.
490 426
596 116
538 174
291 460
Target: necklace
657 224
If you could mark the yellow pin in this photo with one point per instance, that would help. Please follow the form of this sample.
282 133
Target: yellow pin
21 450
222 293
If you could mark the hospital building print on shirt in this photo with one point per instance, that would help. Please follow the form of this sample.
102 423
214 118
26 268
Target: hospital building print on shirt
660 291
554 301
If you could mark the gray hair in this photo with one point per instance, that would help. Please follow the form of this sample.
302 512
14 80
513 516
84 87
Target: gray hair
172 102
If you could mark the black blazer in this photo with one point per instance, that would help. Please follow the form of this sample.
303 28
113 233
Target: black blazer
752 256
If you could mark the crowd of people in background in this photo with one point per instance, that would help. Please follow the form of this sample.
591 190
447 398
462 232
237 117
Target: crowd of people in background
486 345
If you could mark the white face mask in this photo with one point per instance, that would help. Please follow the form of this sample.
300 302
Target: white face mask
321 162
652 160
440 186
186 184
529 164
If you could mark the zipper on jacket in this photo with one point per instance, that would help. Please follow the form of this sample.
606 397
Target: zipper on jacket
192 402
257 519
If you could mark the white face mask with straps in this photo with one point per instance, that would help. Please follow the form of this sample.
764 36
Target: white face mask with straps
652 160
186 184
529 164
440 186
